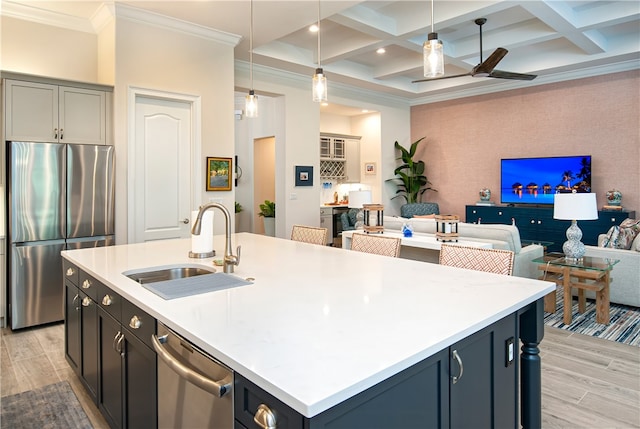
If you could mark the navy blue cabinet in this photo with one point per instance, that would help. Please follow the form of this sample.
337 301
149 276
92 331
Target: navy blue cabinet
538 224
473 383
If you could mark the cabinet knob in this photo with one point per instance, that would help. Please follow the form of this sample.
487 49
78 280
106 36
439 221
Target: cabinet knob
185 220
265 418
539 222
135 322
86 284
75 299
613 219
86 301
107 300
70 271
533 221
55 133
61 133
499 213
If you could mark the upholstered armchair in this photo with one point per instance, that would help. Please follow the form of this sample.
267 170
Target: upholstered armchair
420 209
348 219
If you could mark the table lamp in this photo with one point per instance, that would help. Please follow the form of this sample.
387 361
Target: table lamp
574 207
357 199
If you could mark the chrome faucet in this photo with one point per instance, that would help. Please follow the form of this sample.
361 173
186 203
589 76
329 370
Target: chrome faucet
230 260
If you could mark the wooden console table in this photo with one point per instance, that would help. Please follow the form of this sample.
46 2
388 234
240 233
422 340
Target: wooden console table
588 273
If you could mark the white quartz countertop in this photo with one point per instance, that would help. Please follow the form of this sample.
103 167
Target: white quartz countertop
319 324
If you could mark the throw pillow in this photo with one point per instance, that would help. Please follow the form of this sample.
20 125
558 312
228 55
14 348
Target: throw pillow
611 238
621 237
636 244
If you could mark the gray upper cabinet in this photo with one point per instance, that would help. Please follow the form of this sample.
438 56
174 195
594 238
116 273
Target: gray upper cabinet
43 112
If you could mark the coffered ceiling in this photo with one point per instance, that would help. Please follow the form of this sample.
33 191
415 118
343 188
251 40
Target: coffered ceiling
555 39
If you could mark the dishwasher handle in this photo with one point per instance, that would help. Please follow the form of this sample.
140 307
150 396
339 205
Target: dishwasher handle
217 388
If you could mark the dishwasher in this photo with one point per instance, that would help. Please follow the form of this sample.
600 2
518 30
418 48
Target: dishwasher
194 390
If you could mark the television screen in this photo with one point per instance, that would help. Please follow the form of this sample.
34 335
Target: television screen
536 180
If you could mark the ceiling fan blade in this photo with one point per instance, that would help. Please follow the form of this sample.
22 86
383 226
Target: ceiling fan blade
427 79
486 67
510 75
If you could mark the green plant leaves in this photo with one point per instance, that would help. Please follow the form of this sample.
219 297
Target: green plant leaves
411 181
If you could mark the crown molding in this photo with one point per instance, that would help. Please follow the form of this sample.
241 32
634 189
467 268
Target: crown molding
138 15
40 16
582 73
337 89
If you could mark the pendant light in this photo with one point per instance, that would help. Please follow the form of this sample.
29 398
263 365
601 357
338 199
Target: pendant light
432 52
319 78
251 100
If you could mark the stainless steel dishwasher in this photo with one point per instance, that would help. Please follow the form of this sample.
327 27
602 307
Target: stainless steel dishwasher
194 390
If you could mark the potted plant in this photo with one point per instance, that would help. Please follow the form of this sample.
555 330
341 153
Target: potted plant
411 180
238 209
268 213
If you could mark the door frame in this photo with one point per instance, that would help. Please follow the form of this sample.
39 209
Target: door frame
194 102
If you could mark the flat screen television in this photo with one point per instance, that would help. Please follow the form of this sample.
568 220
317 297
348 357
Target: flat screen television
537 180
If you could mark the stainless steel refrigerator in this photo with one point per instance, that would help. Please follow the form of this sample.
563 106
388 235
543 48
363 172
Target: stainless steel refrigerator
60 196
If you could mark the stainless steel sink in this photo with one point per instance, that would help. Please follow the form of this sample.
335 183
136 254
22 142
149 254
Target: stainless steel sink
161 274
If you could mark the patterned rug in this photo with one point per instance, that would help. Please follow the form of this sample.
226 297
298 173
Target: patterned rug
624 326
50 407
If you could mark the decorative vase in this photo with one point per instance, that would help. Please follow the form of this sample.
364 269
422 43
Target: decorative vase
614 197
485 194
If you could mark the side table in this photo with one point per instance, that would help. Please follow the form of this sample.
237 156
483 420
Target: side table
588 273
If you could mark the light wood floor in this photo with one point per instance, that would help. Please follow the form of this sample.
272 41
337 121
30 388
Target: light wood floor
586 382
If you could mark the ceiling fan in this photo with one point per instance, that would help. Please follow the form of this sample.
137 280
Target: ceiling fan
486 67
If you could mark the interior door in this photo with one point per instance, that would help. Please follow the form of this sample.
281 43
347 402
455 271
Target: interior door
162 182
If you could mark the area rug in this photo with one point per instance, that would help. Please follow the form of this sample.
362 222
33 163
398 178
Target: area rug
50 407
624 326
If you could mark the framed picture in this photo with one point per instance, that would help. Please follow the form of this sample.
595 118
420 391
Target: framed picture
369 168
219 172
304 175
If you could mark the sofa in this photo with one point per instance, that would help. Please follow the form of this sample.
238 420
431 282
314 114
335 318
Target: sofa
505 237
625 283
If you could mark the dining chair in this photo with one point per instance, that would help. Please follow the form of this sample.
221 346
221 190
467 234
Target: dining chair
309 234
376 244
476 258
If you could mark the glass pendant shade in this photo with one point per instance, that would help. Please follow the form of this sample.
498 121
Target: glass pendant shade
433 56
319 86
251 105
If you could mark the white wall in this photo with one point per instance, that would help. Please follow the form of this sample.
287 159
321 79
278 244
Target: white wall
152 57
44 50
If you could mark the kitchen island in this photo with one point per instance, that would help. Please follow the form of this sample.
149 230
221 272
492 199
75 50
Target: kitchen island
319 326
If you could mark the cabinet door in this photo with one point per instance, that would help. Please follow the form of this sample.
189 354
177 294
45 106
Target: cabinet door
325 148
89 345
140 384
352 164
31 111
486 390
110 399
72 326
82 116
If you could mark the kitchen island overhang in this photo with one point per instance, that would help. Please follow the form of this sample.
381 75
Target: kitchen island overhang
321 324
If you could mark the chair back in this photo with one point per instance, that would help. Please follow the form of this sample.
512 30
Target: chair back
410 210
376 244
476 258
309 234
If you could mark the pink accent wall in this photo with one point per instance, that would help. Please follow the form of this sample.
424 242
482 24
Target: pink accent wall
466 138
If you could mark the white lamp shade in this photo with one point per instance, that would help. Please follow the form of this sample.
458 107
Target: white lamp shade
578 206
358 198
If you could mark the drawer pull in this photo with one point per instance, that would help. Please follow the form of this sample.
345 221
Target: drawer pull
457 378
107 300
265 418
135 322
86 284
70 271
86 301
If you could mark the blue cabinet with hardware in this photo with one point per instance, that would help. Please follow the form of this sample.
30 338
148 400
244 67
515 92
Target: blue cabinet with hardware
473 383
538 224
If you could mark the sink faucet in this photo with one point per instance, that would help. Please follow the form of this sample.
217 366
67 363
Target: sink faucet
230 260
